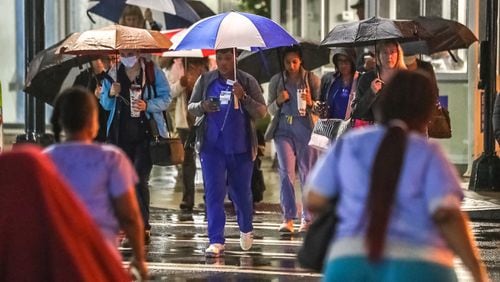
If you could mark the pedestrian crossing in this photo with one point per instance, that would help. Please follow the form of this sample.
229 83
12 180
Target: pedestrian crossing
178 241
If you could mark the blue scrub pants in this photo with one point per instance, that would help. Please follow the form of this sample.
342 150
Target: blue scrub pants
237 169
291 153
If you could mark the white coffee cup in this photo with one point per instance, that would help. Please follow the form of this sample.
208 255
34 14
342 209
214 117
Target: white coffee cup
301 102
135 94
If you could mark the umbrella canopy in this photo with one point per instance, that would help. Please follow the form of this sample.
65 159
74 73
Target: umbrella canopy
49 72
112 39
178 8
263 64
369 31
181 15
175 35
234 30
441 35
201 9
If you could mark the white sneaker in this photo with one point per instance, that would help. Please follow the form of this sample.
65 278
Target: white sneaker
214 250
246 240
304 226
286 226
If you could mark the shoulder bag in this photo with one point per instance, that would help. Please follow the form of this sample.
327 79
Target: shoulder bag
316 242
164 151
440 125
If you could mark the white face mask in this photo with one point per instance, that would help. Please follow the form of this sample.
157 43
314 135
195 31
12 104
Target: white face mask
129 62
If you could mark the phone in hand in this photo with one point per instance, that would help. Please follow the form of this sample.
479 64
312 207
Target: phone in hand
215 102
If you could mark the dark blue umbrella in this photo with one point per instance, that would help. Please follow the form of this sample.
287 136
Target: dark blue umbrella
112 10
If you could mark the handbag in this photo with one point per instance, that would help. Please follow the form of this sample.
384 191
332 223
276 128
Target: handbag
312 253
324 132
165 151
316 242
440 125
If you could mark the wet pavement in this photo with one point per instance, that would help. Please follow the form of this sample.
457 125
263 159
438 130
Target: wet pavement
178 241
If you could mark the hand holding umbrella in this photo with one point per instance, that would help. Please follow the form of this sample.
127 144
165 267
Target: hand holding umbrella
282 97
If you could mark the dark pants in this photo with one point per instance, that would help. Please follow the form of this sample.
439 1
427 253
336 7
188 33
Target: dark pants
188 169
139 156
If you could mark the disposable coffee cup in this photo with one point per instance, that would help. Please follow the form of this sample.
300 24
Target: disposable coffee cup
301 102
135 95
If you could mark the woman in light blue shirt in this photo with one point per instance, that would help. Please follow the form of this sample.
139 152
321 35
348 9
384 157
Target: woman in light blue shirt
399 198
101 175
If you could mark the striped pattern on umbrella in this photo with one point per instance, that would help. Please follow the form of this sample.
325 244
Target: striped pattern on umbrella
234 30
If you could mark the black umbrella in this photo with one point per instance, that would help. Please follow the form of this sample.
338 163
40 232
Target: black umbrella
369 31
263 64
201 9
441 35
49 72
113 9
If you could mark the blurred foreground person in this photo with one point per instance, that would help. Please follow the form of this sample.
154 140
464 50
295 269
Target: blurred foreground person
100 174
399 210
46 233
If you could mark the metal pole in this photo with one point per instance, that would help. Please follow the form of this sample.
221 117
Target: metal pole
485 170
39 45
29 119
34 18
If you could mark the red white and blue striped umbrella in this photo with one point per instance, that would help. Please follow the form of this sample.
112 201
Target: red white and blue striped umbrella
235 30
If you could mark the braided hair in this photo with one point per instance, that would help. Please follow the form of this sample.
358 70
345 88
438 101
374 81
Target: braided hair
72 110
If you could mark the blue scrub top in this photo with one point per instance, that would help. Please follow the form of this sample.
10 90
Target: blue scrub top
227 129
337 100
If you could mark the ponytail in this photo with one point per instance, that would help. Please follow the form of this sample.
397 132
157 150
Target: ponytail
384 179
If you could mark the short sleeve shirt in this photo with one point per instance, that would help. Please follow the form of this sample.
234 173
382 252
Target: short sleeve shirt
97 173
427 182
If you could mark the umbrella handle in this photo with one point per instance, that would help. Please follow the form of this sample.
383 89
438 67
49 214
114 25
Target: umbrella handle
236 100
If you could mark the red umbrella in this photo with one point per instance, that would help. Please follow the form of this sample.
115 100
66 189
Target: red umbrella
175 35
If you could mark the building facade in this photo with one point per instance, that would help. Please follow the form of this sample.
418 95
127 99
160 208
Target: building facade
309 19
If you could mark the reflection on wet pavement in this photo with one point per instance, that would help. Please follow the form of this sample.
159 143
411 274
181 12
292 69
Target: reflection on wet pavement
178 241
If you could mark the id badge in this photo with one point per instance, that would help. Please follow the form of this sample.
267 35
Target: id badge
225 97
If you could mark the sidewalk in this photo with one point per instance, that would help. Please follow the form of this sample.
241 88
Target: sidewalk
479 205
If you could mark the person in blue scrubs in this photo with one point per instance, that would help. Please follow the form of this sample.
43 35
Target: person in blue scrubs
338 88
291 130
226 109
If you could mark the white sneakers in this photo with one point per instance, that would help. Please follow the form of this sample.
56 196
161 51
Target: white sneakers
246 240
304 226
286 227
214 250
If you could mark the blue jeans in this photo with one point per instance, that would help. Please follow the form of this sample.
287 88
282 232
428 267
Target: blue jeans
291 154
218 170
359 268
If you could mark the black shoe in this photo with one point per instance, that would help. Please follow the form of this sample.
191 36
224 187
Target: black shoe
147 237
185 207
